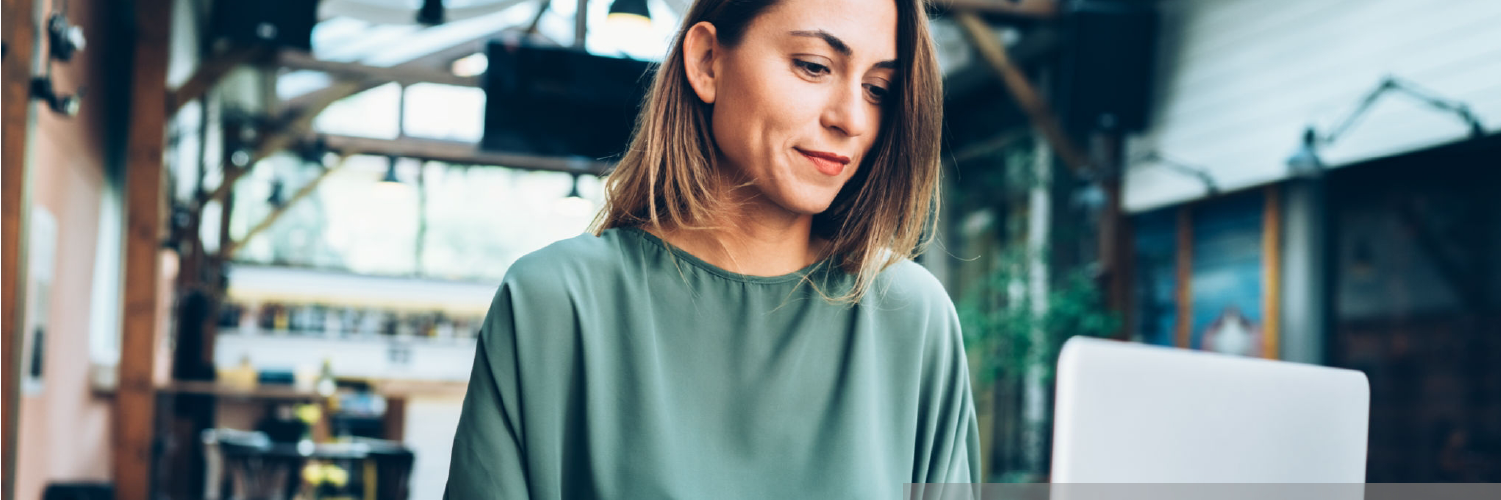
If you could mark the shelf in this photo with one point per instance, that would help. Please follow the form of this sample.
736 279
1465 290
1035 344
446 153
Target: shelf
252 283
393 388
366 338
263 391
389 388
369 357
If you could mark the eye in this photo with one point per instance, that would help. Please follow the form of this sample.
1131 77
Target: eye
811 68
877 92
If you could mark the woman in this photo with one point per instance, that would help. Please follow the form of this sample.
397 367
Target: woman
746 322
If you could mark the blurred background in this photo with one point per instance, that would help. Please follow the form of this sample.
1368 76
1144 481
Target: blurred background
248 243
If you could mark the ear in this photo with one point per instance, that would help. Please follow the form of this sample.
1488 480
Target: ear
701 58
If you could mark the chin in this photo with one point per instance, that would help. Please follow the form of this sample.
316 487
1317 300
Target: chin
807 200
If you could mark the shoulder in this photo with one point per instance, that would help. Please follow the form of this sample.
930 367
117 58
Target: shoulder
563 268
580 254
907 284
906 297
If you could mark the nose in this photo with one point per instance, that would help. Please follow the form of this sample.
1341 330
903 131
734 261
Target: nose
848 112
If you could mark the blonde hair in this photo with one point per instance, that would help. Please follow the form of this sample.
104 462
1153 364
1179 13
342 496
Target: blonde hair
882 215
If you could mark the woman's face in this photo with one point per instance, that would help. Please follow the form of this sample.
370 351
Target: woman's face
797 103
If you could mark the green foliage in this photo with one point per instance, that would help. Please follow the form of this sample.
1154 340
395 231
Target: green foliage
1009 336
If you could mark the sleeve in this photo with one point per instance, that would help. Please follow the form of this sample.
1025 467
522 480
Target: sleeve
488 449
948 448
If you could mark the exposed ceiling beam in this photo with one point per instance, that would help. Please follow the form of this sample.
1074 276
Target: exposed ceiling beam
361 72
366 11
462 153
1022 90
437 38
228 252
208 74
1021 9
293 126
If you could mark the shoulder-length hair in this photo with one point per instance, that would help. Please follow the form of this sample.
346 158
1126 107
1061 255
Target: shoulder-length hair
880 217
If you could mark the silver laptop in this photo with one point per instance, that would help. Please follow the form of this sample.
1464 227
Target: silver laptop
1135 413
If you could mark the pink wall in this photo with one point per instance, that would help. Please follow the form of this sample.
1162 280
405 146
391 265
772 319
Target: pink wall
65 429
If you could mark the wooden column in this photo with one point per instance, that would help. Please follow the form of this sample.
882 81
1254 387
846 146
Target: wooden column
135 401
1114 245
1271 292
20 34
395 421
1184 326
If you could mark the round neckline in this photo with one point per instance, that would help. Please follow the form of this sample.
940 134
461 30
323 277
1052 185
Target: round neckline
693 260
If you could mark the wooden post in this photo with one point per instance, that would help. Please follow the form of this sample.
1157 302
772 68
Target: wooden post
1271 251
1114 243
20 34
1184 325
1022 91
135 400
394 423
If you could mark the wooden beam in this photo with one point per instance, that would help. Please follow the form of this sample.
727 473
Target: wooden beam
309 99
542 6
463 153
442 59
438 61
228 252
208 74
1271 292
1184 323
297 122
19 26
1026 97
135 399
294 126
1021 9
360 72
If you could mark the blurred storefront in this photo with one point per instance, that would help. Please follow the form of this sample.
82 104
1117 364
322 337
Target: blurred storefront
1309 181
1318 185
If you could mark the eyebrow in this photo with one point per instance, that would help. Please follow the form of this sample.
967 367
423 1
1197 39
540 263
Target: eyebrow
839 45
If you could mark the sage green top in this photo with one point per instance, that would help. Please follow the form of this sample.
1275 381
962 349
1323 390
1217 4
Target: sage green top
620 367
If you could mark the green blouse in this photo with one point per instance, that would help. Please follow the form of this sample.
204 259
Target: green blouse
617 366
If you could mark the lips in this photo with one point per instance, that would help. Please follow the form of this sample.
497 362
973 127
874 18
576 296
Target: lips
829 164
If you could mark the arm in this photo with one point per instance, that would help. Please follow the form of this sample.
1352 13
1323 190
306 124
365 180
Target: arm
488 449
949 437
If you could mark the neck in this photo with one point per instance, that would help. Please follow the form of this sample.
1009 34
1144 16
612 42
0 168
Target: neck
753 236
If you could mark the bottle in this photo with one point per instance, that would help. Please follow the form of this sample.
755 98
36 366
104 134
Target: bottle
326 384
282 319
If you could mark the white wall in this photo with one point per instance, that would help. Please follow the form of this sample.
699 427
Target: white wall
376 358
1238 80
430 426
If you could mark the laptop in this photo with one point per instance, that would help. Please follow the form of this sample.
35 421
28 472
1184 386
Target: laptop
1136 413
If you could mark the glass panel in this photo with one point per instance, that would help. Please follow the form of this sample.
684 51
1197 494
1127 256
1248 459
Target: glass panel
479 220
372 113
445 112
1227 275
